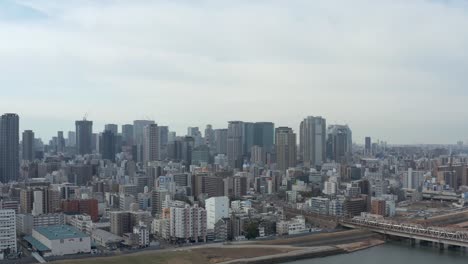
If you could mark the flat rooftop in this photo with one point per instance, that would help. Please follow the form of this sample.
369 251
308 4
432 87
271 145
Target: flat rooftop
60 232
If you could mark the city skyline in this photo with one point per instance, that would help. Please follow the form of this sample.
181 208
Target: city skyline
365 64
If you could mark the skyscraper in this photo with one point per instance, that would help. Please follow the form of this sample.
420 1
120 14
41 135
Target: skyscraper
138 128
313 141
235 146
264 133
210 138
195 133
248 137
285 148
60 142
107 147
28 145
127 135
368 147
71 139
150 143
113 128
84 133
9 147
339 143
221 140
163 137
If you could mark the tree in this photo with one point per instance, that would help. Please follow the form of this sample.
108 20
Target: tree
251 231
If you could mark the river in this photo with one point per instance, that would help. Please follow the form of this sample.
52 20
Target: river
394 253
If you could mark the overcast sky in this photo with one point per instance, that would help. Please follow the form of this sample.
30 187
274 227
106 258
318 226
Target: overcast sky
396 70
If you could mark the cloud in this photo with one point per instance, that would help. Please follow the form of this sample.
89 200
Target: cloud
391 69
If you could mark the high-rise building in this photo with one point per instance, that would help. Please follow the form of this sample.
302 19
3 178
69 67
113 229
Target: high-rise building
339 143
71 140
84 134
313 141
60 142
211 185
28 145
112 127
248 137
8 231
216 209
286 154
235 144
188 223
163 135
257 155
107 145
120 223
264 133
138 130
151 143
127 135
210 138
9 148
195 133
221 141
368 146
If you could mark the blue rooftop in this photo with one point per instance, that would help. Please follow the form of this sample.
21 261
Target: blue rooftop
60 232
36 244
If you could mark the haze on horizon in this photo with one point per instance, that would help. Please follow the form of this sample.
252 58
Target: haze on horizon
395 70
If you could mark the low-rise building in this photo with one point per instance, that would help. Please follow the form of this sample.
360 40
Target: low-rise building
59 240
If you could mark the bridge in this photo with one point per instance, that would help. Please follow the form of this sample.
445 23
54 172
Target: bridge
443 237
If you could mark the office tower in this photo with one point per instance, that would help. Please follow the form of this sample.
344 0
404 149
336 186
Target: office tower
210 138
150 143
95 137
9 148
248 137
71 139
195 133
113 128
235 144
163 134
107 145
313 141
216 209
339 143
138 130
84 134
138 135
174 149
171 136
210 185
188 144
285 148
257 155
60 142
368 146
201 155
127 135
264 135
8 233
221 140
28 145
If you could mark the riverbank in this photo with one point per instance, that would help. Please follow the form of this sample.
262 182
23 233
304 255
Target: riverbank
309 253
279 250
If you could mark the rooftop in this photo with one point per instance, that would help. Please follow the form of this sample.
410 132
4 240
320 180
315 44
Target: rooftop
60 232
